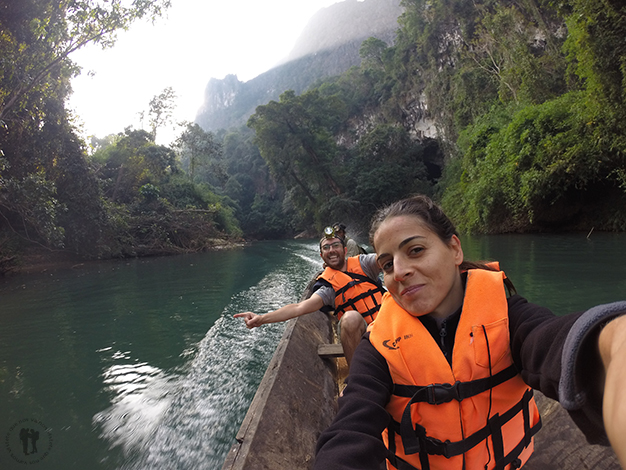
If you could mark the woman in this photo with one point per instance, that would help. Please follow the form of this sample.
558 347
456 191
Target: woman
446 371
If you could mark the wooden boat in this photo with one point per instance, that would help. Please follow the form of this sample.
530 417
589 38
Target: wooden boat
297 400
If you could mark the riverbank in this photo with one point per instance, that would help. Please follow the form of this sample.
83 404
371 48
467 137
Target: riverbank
39 260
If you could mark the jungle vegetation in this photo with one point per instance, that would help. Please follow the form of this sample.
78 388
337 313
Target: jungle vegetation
528 99
527 96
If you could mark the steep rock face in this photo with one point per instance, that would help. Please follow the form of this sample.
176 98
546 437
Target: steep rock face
328 46
222 93
417 119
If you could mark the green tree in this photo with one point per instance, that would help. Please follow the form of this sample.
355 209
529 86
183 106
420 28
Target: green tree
257 196
160 110
373 52
37 38
131 162
200 152
30 204
538 169
48 192
389 165
295 137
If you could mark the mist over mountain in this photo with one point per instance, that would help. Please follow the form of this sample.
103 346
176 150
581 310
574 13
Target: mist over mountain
345 22
329 45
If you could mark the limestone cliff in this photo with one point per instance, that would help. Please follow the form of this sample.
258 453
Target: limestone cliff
329 45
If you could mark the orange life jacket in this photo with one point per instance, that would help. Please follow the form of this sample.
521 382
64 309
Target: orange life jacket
477 413
354 290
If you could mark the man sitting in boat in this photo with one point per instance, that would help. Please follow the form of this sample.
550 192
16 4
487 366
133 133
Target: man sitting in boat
349 285
354 249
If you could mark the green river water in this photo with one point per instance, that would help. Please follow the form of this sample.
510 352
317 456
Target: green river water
140 365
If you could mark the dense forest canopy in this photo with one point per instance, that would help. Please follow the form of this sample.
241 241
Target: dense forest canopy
527 98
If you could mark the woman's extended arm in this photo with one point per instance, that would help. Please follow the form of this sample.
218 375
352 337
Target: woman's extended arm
612 345
577 359
353 441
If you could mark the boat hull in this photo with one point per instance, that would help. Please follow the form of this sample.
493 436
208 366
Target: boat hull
295 402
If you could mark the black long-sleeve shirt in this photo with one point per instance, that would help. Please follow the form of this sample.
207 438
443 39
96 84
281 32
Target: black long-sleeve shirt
537 339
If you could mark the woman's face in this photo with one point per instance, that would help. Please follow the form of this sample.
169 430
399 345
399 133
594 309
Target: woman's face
421 271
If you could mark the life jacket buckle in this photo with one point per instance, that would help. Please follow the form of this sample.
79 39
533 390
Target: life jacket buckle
447 449
443 393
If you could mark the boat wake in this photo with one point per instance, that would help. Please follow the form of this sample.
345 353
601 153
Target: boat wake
185 419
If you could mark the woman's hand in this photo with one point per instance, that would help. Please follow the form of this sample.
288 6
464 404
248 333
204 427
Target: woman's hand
612 345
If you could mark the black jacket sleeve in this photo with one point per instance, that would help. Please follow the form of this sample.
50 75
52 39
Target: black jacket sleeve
353 441
537 338
559 356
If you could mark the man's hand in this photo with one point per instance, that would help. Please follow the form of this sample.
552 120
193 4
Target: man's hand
285 313
252 319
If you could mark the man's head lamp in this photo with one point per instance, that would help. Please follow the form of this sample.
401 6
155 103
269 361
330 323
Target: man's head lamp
330 233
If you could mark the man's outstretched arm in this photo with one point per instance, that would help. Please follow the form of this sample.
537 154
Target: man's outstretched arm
287 312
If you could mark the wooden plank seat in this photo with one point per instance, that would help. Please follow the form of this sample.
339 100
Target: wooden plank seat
329 350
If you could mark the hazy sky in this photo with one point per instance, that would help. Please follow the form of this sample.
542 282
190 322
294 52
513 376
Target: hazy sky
197 40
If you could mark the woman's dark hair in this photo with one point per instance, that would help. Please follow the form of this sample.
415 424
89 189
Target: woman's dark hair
431 215
418 206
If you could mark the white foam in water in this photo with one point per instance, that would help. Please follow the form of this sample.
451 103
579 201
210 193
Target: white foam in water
141 400
189 419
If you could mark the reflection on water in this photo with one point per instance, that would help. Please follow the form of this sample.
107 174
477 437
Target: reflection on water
140 365
141 396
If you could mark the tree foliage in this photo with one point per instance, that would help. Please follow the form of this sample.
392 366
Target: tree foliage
160 210
324 180
388 166
557 163
257 197
38 37
528 99
200 152
160 110
131 162
295 137
51 194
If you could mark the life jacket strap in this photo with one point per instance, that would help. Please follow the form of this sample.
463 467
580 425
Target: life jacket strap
358 278
395 460
436 394
350 304
415 440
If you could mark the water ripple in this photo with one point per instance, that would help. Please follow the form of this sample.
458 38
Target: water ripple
188 419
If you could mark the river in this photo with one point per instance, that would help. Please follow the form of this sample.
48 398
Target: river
139 364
